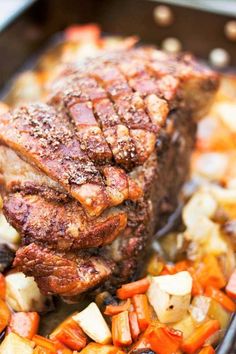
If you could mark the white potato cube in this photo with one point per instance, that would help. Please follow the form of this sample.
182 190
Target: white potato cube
7 232
186 326
199 308
14 344
227 113
23 294
169 308
212 165
201 204
93 324
178 284
222 195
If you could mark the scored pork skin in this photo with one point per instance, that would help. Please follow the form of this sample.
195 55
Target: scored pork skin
110 151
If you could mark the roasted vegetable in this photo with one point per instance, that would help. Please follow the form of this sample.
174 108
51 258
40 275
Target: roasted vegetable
142 351
2 287
208 272
155 267
207 238
221 297
14 344
115 309
121 334
25 324
45 343
70 334
131 289
22 293
5 315
134 325
168 306
231 286
7 233
219 313
199 308
200 335
93 324
179 284
95 348
165 340
160 339
186 326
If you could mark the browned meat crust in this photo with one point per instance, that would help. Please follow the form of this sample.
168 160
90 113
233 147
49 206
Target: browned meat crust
60 273
65 225
44 139
117 130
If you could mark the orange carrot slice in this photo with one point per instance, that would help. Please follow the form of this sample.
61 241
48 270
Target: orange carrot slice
131 289
199 337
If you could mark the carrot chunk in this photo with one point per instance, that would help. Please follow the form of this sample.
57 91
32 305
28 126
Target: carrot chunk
210 273
160 339
42 350
207 350
131 289
2 287
95 348
61 348
5 315
134 326
142 310
25 324
164 340
231 286
111 310
44 343
221 297
200 335
181 266
197 288
70 334
120 330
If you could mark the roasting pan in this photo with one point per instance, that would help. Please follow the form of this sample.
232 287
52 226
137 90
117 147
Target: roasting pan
198 25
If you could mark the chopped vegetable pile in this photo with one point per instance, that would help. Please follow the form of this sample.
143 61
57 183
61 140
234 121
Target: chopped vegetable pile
169 312
186 297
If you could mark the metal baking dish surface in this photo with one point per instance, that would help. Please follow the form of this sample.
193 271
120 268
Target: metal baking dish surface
199 30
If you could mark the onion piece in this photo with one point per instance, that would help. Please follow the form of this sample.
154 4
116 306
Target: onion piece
179 284
168 308
186 326
199 308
